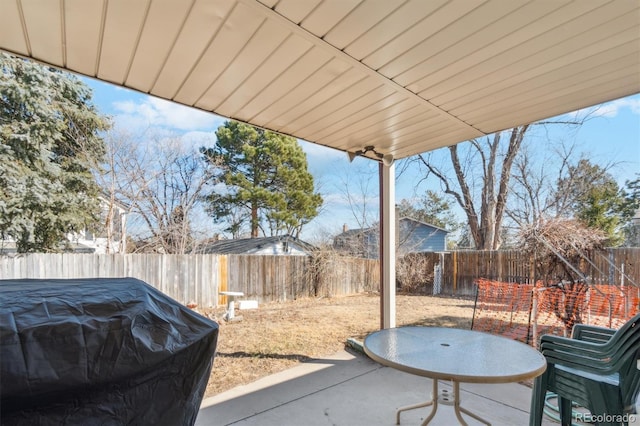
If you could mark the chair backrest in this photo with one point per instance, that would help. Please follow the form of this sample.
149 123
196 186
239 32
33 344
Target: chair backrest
632 323
625 337
617 355
628 336
625 359
593 334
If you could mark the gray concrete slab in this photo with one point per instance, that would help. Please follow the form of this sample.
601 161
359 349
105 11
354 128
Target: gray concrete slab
349 389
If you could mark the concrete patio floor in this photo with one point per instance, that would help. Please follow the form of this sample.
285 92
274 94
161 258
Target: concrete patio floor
349 389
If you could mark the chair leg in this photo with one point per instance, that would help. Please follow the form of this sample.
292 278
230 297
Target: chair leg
600 407
538 395
564 406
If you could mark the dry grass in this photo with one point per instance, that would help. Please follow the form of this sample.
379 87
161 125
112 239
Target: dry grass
279 335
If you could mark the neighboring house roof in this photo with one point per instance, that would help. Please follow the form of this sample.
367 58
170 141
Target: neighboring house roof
354 232
413 236
281 244
424 223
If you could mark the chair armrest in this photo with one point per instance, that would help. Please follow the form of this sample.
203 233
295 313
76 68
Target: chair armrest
572 344
592 333
593 356
600 366
581 361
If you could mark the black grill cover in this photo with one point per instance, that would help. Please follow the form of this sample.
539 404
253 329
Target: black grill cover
108 351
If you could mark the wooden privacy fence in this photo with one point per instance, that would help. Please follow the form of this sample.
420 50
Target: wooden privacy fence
619 266
198 278
185 278
281 278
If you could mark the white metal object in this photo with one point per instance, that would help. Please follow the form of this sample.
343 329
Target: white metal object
231 313
455 355
247 304
387 245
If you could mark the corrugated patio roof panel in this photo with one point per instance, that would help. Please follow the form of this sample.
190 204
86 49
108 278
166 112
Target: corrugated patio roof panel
405 76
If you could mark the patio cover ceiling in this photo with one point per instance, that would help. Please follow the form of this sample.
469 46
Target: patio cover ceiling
405 76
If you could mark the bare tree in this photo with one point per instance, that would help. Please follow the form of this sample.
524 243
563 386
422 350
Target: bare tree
483 171
549 187
492 162
163 181
359 187
107 182
559 246
534 192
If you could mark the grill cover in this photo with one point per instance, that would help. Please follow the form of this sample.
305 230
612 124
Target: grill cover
107 351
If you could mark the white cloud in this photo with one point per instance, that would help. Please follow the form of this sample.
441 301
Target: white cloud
197 139
127 107
313 149
633 103
321 157
154 112
610 109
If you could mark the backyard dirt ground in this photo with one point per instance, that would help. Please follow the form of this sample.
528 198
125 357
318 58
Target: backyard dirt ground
276 336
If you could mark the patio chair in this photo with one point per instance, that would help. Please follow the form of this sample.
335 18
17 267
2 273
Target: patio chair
596 368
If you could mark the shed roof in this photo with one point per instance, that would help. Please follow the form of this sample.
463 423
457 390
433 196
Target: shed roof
250 245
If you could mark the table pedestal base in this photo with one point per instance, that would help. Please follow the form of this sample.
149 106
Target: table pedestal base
230 315
445 398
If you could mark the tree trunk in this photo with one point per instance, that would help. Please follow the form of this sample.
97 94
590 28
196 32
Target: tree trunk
485 228
254 221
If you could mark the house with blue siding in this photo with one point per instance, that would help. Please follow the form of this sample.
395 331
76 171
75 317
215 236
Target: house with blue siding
413 236
419 237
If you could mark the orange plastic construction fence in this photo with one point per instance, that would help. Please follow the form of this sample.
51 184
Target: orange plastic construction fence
525 311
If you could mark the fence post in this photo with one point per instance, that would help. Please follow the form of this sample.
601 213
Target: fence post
534 315
222 279
454 263
437 278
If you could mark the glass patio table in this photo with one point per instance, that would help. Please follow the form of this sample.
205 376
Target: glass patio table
455 355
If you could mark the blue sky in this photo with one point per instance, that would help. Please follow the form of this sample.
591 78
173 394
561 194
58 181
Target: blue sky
611 135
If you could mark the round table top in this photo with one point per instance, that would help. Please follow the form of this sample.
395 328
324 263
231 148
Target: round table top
455 354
